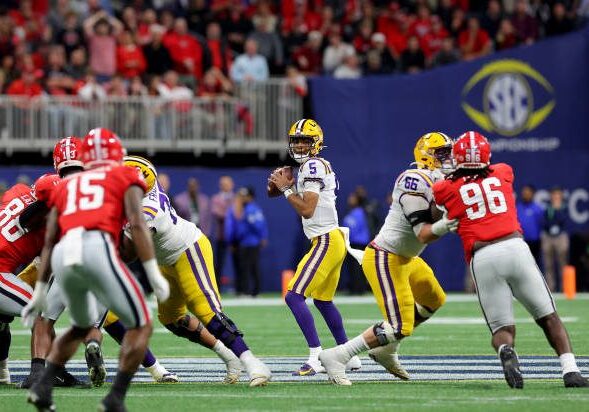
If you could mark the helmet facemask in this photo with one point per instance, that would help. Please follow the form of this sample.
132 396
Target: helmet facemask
444 162
300 148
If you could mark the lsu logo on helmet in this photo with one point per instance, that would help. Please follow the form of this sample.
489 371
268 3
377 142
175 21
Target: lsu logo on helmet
145 167
433 151
306 131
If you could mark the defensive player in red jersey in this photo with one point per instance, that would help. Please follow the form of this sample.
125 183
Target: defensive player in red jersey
66 161
480 196
87 212
17 247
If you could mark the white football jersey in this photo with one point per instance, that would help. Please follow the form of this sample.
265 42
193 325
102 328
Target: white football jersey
316 175
397 235
172 235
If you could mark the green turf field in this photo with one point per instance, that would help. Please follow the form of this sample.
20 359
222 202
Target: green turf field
271 332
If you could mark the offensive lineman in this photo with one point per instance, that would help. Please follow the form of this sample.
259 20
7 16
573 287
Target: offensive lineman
317 275
480 196
87 212
405 287
185 257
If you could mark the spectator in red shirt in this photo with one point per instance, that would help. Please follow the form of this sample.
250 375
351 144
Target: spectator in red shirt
474 42
30 23
421 26
308 57
101 31
26 85
220 52
526 26
362 41
188 54
143 34
130 59
505 37
215 83
431 43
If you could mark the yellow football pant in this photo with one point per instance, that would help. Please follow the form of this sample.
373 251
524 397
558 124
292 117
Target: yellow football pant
29 274
398 283
318 272
193 286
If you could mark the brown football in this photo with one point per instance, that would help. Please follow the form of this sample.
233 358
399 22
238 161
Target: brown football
272 190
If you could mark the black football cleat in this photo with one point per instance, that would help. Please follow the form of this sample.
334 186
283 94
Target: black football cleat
40 397
575 380
510 363
95 363
64 379
30 380
112 404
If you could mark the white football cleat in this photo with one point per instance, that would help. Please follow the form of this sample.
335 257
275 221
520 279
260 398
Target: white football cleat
233 371
4 372
387 357
161 374
334 361
259 374
354 364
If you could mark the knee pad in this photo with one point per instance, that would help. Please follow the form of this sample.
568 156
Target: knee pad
224 328
385 333
180 328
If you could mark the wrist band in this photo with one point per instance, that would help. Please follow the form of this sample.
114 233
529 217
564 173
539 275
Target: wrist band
288 192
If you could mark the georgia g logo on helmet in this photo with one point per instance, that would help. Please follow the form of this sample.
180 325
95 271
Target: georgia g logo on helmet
305 139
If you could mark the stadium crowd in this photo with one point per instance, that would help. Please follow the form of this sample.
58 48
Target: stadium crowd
182 48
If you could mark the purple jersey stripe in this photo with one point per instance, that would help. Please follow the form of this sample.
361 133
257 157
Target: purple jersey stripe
199 281
382 289
207 279
302 274
392 286
316 266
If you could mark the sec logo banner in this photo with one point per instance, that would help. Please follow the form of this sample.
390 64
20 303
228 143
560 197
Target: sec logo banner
508 98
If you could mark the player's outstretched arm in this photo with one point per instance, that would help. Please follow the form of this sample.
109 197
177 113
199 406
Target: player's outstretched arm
418 211
143 243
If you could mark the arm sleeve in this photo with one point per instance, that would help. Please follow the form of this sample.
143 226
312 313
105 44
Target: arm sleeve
416 209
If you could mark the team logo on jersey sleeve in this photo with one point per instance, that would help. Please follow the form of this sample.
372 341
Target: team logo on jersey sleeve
515 97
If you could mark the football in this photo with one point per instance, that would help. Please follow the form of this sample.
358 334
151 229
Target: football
272 190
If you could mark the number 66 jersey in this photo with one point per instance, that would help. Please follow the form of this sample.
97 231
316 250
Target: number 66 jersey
485 206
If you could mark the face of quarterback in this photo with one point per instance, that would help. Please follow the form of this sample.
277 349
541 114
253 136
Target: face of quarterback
300 147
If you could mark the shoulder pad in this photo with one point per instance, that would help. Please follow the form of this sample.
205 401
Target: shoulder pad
315 167
415 181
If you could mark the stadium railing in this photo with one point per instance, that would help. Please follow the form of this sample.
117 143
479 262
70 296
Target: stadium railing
254 120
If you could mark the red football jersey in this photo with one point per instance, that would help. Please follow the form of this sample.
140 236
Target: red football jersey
94 199
485 207
44 186
17 247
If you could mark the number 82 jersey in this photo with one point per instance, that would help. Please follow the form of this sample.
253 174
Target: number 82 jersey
485 207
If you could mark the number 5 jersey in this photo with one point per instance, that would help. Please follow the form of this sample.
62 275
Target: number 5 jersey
485 207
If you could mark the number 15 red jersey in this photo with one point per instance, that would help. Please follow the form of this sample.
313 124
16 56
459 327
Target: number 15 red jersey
94 199
485 207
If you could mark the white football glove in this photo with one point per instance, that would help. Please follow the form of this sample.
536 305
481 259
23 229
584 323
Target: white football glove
159 284
444 225
36 305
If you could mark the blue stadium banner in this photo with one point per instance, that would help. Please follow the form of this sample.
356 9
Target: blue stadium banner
532 103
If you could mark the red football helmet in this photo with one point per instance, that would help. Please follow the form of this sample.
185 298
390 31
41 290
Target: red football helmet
66 153
471 151
102 146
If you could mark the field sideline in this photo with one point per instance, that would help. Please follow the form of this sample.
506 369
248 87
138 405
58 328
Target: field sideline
449 358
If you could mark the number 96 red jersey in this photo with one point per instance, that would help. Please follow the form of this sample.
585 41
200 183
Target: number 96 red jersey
94 199
485 207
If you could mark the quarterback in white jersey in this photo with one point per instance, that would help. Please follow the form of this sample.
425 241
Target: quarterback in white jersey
318 272
405 288
185 257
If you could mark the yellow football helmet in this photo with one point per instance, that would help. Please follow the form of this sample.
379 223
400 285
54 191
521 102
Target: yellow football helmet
145 167
433 151
307 131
